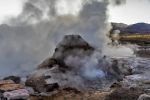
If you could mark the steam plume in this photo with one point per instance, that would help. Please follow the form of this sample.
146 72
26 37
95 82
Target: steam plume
32 36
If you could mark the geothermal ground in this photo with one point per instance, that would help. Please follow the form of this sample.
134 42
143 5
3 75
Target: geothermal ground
132 87
78 71
75 73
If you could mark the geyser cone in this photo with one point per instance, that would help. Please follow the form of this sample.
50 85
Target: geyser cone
75 64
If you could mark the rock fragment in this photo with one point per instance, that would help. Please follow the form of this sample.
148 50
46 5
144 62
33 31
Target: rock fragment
16 79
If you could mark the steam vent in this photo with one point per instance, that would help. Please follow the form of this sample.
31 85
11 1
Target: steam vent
76 64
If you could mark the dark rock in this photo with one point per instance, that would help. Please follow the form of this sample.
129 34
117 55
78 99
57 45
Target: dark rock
116 69
51 87
16 79
37 83
116 85
124 94
1 96
71 45
47 77
51 62
69 89
124 67
48 63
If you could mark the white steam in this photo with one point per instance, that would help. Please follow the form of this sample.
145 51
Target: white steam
26 40
88 66
91 67
118 51
66 7
10 8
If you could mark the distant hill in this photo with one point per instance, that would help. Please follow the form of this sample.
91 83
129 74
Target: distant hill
137 28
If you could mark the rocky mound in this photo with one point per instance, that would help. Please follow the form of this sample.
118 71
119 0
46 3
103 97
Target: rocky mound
78 65
71 45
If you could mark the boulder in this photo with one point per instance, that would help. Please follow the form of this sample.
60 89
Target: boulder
37 83
16 79
51 87
116 85
48 63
